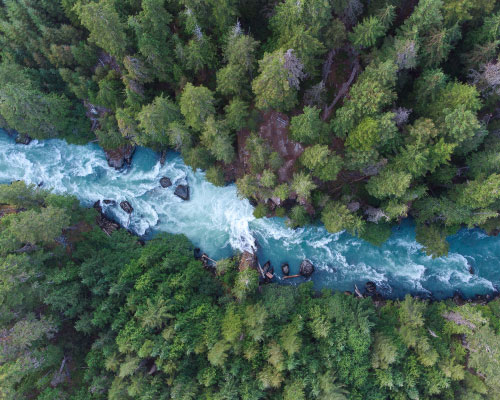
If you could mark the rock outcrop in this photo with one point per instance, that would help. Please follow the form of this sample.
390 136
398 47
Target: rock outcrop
104 222
306 268
23 139
182 191
248 260
118 158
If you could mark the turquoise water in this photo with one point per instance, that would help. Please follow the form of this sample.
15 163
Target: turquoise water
217 221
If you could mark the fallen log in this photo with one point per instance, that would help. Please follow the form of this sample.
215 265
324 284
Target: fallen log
291 276
327 66
432 333
342 92
208 258
261 270
27 248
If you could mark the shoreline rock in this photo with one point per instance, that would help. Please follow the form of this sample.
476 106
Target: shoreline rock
248 260
108 226
197 253
23 139
118 158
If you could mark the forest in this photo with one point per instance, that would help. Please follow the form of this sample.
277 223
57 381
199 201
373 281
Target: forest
354 113
85 314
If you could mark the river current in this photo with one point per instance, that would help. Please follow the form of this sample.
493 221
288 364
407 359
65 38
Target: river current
219 222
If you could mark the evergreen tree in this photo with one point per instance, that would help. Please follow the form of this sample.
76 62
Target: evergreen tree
273 87
106 28
155 122
196 104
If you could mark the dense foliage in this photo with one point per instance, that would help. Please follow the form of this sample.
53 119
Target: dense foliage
86 315
391 106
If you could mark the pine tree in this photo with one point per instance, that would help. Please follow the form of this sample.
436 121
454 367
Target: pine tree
273 87
196 104
337 217
366 33
155 120
308 127
303 185
106 28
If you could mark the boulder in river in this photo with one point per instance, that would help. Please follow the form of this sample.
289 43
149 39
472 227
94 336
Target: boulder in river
165 182
109 202
117 158
126 206
285 269
306 268
182 191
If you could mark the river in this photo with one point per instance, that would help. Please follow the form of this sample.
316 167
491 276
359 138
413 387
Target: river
218 222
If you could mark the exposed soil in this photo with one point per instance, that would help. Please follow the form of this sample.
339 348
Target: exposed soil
274 128
239 166
458 319
6 210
